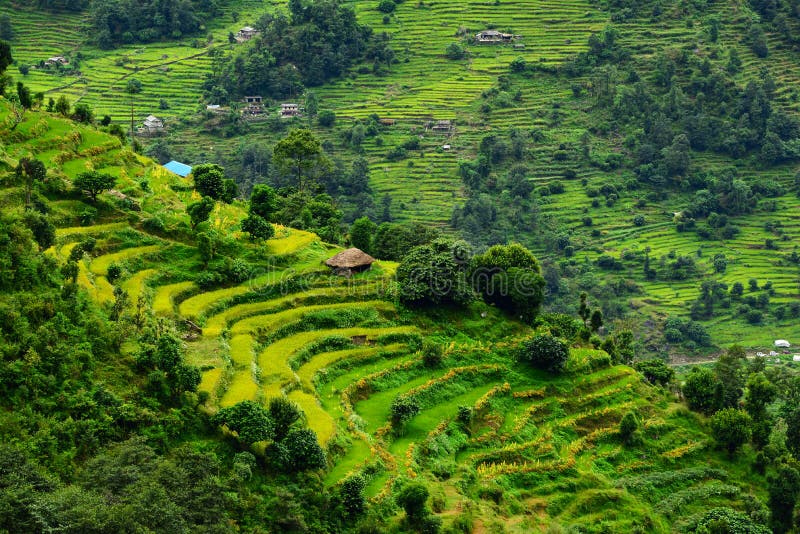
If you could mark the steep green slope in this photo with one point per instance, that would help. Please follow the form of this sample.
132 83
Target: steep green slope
535 451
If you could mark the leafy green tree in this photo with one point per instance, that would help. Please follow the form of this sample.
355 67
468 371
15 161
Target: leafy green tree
5 56
248 419
545 352
326 118
264 201
760 392
32 171
24 96
304 452
283 413
361 232
783 488
729 370
403 409
628 428
656 371
62 106
509 276
209 180
700 390
83 114
455 51
300 154
94 183
200 211
352 495
44 232
257 227
731 428
413 498
133 88
435 274
312 104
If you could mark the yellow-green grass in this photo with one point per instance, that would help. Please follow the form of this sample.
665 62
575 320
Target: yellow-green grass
317 418
135 285
194 307
96 229
290 240
209 380
320 361
217 323
242 387
163 303
97 286
101 264
241 350
268 323
273 360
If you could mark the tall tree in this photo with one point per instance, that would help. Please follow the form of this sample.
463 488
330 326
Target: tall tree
32 171
300 154
133 88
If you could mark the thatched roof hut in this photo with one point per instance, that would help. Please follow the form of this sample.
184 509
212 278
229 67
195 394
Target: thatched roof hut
350 260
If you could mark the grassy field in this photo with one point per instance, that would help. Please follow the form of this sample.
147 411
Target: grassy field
538 451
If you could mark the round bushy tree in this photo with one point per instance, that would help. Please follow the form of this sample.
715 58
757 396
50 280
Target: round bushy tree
264 201
209 180
248 419
200 211
304 450
284 413
361 233
731 428
700 390
435 274
545 352
509 276
257 227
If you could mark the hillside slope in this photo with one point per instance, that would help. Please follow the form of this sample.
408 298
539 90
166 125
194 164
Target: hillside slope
536 450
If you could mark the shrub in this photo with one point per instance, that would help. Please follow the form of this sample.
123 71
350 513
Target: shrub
700 390
638 220
545 352
656 371
326 118
628 428
432 354
731 428
455 51
386 6
403 409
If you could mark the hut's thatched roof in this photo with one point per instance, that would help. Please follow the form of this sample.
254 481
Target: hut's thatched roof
350 258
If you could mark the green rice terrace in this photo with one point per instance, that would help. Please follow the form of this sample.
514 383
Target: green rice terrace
570 138
578 269
505 447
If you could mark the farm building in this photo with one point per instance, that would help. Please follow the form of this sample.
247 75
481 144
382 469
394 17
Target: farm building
782 343
350 261
441 127
176 167
246 33
290 110
493 36
152 126
55 61
254 105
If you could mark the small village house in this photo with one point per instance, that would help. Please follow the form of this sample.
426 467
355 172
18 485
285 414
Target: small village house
493 36
151 126
441 127
350 261
246 33
56 61
290 110
254 105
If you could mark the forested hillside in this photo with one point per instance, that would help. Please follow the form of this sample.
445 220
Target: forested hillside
576 225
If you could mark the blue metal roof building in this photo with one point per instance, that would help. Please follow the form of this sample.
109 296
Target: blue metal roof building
181 169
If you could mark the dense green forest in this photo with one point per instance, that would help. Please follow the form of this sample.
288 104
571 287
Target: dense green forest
569 315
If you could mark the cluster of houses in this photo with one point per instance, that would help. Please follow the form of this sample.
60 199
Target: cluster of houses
151 127
254 108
